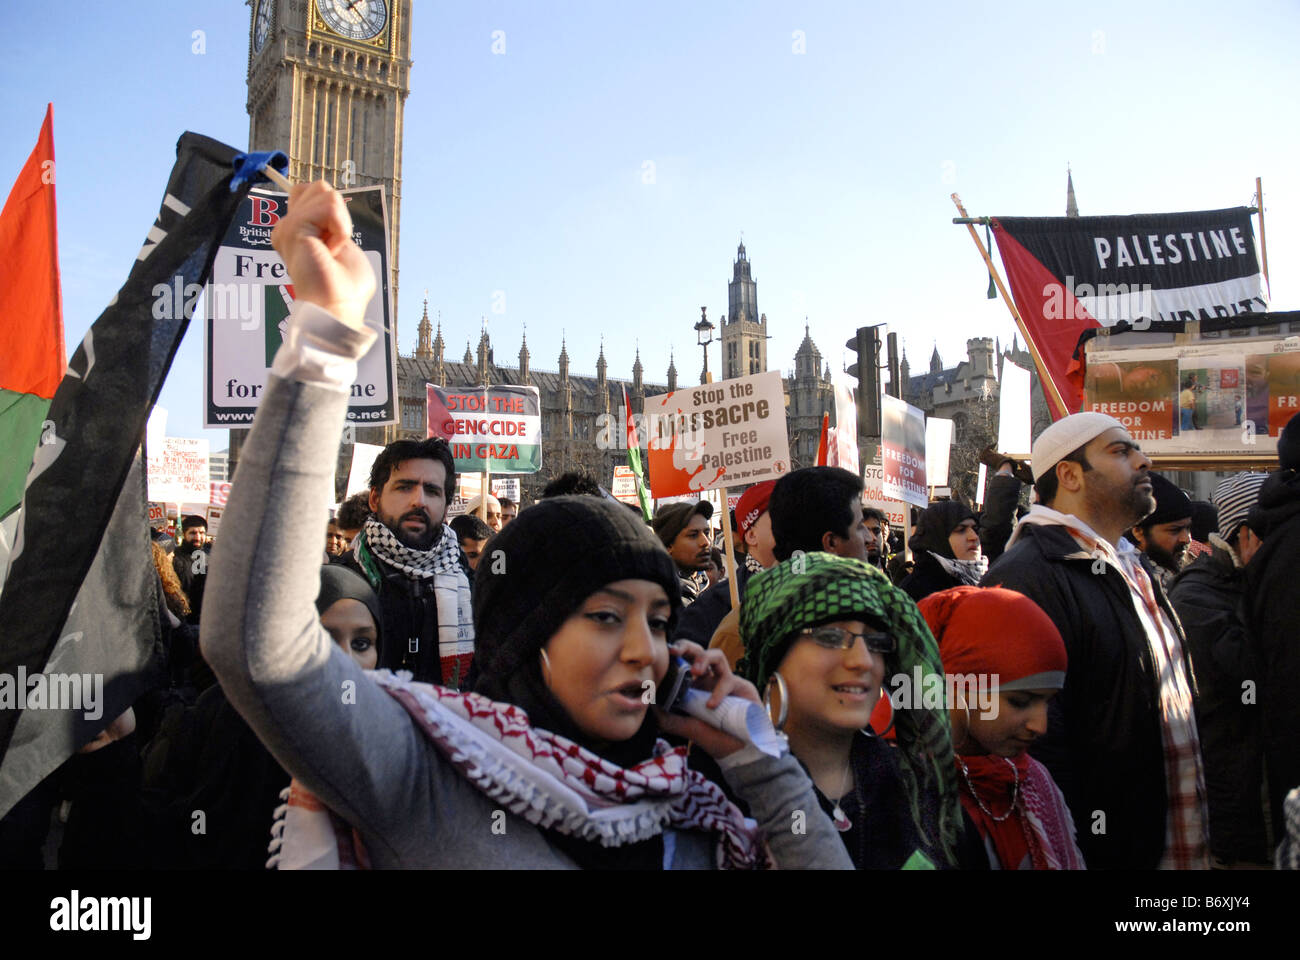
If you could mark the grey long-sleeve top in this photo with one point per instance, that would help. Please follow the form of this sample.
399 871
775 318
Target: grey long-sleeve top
337 731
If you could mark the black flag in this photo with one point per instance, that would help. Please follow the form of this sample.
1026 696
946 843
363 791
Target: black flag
79 605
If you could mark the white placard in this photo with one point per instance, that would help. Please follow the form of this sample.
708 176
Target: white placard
178 471
902 449
938 446
363 458
1013 412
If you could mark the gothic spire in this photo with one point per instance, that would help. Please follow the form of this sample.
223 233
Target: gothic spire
1071 207
424 348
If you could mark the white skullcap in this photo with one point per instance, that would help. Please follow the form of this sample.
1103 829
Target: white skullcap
474 504
1067 435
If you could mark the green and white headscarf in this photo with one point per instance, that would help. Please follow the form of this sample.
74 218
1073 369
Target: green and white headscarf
812 589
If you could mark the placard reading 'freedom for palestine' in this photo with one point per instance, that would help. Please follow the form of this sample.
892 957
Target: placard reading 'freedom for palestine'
717 434
248 302
490 429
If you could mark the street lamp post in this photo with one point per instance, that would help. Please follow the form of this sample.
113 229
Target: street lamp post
704 336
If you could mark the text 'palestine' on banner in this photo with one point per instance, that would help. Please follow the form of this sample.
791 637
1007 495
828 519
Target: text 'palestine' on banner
717 435
1070 274
248 304
494 429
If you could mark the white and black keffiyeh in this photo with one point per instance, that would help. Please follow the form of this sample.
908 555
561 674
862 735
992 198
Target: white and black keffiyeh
969 572
442 557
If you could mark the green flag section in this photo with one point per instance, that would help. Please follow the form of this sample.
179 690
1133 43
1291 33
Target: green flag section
495 429
21 417
32 356
634 459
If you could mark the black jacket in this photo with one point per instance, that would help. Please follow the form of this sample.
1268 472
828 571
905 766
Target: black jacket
928 576
1273 622
1207 596
1001 497
1104 745
193 574
410 613
699 620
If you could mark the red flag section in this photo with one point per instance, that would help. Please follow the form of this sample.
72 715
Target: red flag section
32 356
1053 320
823 441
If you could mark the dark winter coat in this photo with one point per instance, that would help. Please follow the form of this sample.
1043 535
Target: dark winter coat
1001 497
1207 596
700 620
927 577
193 575
1272 611
1104 745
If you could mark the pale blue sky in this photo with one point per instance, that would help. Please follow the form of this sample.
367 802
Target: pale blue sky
523 172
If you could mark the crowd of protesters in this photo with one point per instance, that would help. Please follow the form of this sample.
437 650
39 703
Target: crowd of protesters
484 691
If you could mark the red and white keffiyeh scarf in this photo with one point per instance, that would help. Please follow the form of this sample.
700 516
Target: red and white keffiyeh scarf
550 781
1038 827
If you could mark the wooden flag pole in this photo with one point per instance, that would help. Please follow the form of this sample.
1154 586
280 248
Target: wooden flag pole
1263 244
485 479
728 553
1043 375
278 178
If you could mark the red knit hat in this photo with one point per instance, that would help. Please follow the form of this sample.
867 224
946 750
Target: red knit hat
991 630
753 504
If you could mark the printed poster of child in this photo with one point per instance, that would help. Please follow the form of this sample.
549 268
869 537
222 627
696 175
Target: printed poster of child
1211 396
1141 395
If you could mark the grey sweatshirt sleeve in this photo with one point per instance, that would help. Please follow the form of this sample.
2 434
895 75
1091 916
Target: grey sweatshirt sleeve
329 725
780 797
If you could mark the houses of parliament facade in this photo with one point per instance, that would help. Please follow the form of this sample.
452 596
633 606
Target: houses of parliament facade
573 404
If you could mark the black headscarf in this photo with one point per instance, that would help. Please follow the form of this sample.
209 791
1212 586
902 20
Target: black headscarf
339 583
539 569
937 523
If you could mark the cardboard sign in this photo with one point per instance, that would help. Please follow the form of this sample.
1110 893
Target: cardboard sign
842 439
248 301
178 471
938 447
717 435
157 513
214 520
624 485
363 458
490 429
218 494
902 448
873 495
506 487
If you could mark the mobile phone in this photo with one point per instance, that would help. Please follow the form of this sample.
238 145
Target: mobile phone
675 684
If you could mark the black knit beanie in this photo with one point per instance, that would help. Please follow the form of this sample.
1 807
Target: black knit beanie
937 524
1288 445
1171 503
537 571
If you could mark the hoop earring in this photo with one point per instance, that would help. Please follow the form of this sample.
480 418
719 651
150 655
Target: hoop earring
871 734
784 693
965 733
546 669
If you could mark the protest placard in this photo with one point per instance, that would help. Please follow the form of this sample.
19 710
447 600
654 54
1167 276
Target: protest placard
494 429
178 471
717 434
902 449
938 447
363 458
873 494
624 485
248 302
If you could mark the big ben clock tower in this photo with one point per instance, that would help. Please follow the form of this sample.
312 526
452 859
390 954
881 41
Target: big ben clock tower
327 83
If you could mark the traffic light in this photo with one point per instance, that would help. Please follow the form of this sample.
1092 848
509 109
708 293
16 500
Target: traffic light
866 344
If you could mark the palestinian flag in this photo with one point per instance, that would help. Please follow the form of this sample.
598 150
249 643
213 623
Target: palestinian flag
80 604
32 355
1068 274
634 459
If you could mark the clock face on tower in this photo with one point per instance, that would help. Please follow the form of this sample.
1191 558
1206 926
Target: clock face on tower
354 19
261 25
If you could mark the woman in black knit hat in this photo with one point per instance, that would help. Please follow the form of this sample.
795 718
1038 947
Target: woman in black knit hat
556 758
947 550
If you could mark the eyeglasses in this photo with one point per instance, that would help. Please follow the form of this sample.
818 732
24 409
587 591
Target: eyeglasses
837 638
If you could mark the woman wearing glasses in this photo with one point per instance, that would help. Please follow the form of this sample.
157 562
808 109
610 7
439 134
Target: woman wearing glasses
821 633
